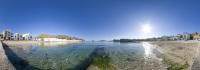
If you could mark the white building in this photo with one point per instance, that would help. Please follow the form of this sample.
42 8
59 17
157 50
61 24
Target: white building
8 35
186 36
18 36
27 36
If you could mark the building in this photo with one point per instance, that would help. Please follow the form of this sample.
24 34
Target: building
27 36
8 35
186 36
179 37
196 36
1 36
18 36
173 38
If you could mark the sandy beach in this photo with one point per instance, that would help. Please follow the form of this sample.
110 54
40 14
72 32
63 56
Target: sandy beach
178 52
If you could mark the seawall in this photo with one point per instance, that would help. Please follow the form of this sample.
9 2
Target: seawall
5 64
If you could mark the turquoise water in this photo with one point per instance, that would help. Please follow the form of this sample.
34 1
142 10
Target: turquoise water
77 56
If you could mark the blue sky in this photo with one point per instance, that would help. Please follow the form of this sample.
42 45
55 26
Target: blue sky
100 19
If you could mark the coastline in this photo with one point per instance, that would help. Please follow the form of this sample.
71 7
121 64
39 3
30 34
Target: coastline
177 54
41 43
180 55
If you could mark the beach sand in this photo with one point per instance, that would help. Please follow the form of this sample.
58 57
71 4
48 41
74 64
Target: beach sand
181 52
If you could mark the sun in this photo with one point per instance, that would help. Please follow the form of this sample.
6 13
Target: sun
146 28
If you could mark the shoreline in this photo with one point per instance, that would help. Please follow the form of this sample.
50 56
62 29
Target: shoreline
177 54
41 43
173 54
5 62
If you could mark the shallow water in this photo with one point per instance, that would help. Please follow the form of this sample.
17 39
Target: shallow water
77 56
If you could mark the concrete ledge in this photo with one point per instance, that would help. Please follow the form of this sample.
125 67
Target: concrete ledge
5 64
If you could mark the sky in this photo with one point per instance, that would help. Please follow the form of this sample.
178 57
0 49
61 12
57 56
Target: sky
101 19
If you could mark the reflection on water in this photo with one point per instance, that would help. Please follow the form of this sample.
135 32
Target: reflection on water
147 48
77 56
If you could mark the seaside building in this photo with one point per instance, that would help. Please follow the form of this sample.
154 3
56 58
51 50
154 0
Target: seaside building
196 36
27 36
8 35
173 38
186 36
179 37
18 36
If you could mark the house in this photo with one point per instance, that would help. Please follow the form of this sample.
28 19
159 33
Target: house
186 36
27 36
18 36
173 38
8 35
196 36
179 36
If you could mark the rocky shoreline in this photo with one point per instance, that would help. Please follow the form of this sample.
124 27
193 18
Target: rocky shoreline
5 63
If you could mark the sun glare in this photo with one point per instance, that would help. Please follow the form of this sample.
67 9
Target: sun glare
146 28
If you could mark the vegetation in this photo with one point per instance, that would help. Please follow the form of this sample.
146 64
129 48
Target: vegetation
46 36
103 62
63 37
175 66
